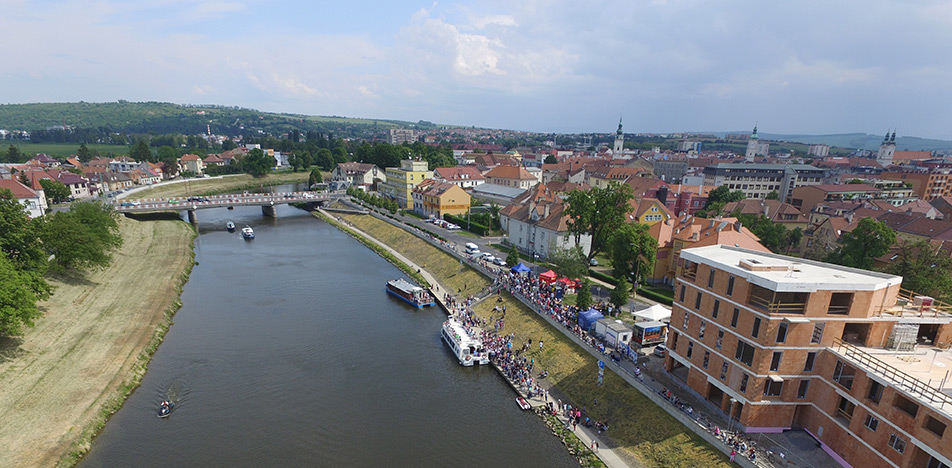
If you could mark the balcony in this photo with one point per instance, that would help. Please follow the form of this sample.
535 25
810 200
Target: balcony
911 304
777 302
921 373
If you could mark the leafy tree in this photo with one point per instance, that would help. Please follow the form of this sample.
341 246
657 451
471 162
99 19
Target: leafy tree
583 298
855 181
924 268
17 299
83 237
857 249
315 178
773 236
228 145
295 162
569 261
324 159
55 191
633 252
84 154
619 295
598 212
257 163
512 259
716 200
141 152
773 195
306 160
13 155
550 160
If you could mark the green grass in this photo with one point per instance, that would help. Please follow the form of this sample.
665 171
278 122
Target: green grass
62 150
229 184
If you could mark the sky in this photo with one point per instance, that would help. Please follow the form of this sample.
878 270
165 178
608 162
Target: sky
803 67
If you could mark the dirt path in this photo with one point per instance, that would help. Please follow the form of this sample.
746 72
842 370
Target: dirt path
55 384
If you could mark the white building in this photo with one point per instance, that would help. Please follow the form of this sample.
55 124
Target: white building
34 201
535 223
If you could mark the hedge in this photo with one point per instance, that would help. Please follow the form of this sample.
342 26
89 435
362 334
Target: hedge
655 296
470 226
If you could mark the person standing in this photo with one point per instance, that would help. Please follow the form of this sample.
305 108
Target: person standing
733 453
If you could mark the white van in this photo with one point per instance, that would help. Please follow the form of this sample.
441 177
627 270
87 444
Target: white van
471 248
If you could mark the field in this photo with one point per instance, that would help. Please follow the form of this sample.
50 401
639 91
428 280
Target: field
66 375
62 150
227 184
645 434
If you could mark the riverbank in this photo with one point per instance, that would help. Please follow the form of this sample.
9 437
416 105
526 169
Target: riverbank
63 379
642 433
219 185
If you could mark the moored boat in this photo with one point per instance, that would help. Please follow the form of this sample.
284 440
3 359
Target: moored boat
409 292
230 226
523 403
463 343
247 232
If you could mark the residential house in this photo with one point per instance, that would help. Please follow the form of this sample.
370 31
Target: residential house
690 231
807 197
191 163
78 185
462 176
123 164
434 198
358 174
927 184
214 160
33 201
603 176
774 210
648 211
400 181
534 222
511 176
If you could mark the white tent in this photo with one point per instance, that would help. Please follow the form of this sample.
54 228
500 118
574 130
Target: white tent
655 313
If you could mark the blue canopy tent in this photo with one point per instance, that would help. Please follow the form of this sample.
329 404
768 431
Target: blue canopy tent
520 268
587 319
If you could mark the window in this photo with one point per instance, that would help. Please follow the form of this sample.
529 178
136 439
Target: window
756 330
697 300
772 388
734 317
686 322
933 463
743 383
674 342
710 279
934 425
681 294
720 339
730 285
875 392
845 408
744 353
843 374
690 349
811 358
700 330
871 423
802 389
906 405
717 307
724 371
782 332
775 361
707 359
817 332
897 443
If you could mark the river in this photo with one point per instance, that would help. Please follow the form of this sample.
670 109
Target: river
287 351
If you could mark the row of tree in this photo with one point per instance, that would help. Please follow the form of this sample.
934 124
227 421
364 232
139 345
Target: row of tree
82 238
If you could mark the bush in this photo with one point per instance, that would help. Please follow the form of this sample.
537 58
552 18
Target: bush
655 296
601 276
473 227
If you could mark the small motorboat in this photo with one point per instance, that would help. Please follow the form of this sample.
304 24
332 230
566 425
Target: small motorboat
523 403
247 232
165 408
230 226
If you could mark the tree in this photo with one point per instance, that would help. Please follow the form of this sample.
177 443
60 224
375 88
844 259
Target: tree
141 152
22 267
512 259
56 191
773 236
315 178
257 163
550 160
633 252
598 212
924 268
583 297
83 237
857 249
17 299
84 154
13 155
716 200
619 295
773 195
569 261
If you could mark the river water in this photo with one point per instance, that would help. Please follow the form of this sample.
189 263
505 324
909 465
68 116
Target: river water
287 351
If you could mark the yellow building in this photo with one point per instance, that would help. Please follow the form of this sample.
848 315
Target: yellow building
402 180
649 211
435 199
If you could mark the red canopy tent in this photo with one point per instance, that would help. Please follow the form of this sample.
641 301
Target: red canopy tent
569 285
548 276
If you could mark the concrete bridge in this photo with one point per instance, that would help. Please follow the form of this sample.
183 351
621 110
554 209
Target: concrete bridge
266 201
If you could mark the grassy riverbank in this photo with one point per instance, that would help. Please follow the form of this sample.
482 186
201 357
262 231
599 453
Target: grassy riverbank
63 379
228 184
645 434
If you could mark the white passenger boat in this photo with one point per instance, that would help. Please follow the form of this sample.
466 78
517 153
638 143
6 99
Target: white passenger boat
467 348
247 232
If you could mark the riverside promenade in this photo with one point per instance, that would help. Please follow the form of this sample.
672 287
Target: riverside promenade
608 456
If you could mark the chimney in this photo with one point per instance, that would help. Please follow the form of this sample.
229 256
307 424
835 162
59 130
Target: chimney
849 217
547 205
738 225
711 223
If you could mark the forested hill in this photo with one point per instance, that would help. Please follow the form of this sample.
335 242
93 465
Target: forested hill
46 120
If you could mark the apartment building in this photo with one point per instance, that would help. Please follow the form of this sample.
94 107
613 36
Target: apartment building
400 181
927 185
779 342
758 180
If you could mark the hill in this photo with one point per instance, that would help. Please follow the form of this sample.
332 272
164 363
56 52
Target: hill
162 118
863 141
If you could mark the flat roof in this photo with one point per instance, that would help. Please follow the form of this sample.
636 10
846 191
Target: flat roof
788 274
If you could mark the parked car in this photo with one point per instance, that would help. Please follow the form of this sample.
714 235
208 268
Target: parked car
499 261
452 227
593 262
659 350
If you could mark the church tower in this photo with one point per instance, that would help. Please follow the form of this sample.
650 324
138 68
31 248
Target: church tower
887 150
753 146
619 149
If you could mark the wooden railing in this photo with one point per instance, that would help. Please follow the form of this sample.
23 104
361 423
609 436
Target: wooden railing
778 307
896 376
907 299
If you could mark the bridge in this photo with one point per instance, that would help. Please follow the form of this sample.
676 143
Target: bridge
266 201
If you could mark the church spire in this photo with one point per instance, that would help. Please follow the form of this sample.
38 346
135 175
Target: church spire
619 132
